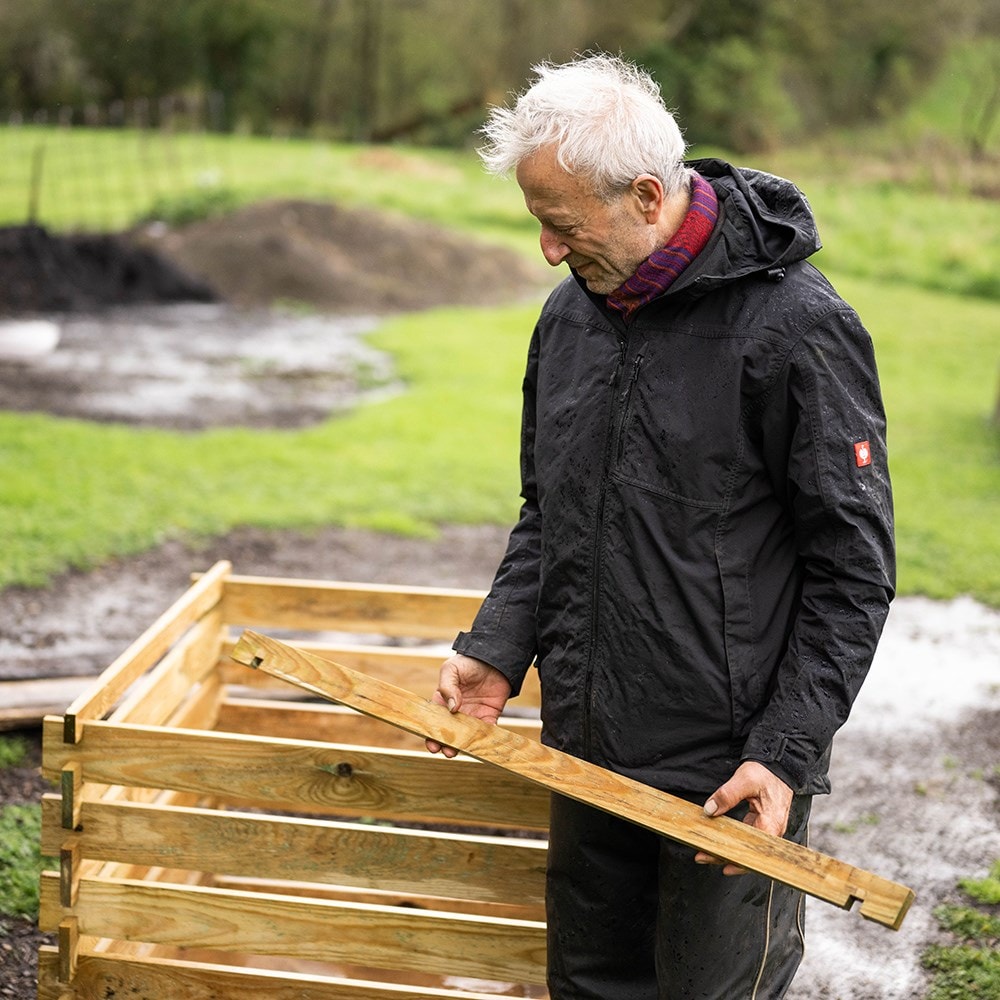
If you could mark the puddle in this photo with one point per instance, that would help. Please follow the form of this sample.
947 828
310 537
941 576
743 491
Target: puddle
936 659
193 366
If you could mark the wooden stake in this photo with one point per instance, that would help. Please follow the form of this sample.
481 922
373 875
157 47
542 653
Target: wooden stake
792 864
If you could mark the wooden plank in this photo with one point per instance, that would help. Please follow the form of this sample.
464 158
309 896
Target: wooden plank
300 775
356 608
818 875
328 724
414 668
26 703
387 897
506 870
404 665
145 651
154 698
109 974
201 710
355 933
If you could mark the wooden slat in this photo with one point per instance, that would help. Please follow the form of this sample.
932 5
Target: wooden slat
160 693
201 710
316 605
355 933
26 703
109 974
497 869
413 668
145 651
300 775
387 897
818 875
328 724
397 664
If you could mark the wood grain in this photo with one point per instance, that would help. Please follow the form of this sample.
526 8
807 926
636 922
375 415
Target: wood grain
496 869
298 775
328 723
317 606
114 973
355 933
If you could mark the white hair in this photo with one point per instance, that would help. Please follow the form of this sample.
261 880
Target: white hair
604 115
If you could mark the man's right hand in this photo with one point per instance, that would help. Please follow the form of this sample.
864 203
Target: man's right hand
472 687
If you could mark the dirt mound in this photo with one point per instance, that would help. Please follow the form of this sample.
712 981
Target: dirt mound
280 252
334 258
42 273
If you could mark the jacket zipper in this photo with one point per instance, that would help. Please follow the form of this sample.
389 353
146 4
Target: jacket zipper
627 406
613 422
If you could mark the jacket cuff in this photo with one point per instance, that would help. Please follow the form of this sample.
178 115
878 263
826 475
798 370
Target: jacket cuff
499 653
782 756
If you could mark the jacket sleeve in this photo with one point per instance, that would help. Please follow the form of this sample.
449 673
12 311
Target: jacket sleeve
503 633
826 425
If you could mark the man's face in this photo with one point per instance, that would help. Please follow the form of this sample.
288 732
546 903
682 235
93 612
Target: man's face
604 242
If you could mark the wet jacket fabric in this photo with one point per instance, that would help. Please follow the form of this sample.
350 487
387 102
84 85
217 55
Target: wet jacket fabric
704 557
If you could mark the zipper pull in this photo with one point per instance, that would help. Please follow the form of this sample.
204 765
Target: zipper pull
633 376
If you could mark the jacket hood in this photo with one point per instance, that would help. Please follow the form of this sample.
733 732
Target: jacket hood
765 224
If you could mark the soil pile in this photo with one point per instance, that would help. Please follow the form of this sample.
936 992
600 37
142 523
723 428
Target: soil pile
334 258
278 252
43 273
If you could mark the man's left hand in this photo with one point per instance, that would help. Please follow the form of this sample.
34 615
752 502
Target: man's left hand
769 800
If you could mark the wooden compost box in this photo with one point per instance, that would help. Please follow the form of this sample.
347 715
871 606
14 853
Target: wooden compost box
220 835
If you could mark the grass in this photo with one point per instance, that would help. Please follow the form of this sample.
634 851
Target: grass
13 751
20 859
20 829
436 453
969 967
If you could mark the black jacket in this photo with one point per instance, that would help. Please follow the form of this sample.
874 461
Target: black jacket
704 557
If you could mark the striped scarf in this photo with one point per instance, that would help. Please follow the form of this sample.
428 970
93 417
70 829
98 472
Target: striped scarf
662 268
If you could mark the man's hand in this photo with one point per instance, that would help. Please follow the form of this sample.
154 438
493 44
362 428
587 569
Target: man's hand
768 797
472 687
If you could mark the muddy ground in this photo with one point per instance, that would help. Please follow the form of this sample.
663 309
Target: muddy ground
915 769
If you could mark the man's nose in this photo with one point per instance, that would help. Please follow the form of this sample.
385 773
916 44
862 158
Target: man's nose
554 250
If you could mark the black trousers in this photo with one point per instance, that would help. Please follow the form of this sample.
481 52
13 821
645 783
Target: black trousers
632 917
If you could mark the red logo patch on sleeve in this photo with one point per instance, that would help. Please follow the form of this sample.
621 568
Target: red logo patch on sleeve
862 454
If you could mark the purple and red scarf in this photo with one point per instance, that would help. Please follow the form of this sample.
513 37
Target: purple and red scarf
662 268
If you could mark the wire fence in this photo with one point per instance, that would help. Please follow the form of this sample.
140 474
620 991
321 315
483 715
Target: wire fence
104 168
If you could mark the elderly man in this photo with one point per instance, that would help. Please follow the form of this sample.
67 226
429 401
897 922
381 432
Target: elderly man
704 557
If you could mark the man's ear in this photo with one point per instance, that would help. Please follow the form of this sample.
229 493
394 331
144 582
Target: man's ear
648 192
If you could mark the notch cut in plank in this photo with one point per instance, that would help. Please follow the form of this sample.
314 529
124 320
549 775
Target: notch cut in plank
800 867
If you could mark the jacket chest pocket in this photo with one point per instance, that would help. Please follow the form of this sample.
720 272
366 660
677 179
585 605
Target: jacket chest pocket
679 433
